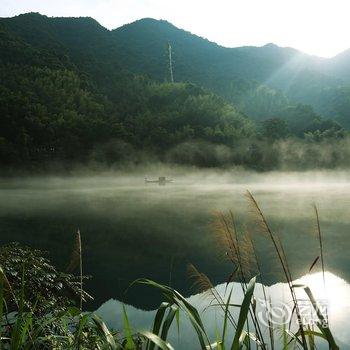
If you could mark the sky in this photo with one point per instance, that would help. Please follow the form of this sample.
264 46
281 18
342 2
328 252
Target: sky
318 27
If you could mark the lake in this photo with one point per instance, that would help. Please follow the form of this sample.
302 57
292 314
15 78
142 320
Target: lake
131 229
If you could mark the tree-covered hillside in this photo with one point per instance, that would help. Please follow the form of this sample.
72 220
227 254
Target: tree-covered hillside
73 91
58 114
140 48
300 77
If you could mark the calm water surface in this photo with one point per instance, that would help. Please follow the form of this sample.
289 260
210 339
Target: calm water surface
131 229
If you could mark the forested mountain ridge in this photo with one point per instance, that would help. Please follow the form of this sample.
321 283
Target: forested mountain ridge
302 78
140 44
71 90
140 48
59 104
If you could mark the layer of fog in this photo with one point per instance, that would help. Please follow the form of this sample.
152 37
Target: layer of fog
131 229
220 189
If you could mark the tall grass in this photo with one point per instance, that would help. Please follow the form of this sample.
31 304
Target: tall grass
241 327
320 241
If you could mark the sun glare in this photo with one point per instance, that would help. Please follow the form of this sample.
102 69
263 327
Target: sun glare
335 291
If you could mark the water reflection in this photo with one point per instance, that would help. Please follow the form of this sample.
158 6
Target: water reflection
132 230
335 297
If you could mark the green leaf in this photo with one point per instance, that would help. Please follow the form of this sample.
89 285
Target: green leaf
322 324
103 330
224 328
155 339
82 322
158 320
175 297
243 313
127 329
168 321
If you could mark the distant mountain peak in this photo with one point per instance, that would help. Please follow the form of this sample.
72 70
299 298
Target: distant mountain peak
149 22
152 20
36 16
343 54
31 14
271 45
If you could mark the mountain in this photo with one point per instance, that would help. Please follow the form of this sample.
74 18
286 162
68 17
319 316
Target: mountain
87 44
141 48
339 65
195 58
72 90
302 78
65 96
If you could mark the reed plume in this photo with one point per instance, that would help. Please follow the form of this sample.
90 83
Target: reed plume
203 284
237 248
201 281
239 251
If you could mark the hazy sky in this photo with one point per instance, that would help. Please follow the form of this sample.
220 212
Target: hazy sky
319 27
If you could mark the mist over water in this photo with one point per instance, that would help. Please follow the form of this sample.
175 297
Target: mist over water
131 229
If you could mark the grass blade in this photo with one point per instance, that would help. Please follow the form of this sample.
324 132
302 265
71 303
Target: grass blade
175 297
156 340
322 323
243 313
127 329
104 331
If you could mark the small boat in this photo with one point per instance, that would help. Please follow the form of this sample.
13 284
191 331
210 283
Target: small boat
162 180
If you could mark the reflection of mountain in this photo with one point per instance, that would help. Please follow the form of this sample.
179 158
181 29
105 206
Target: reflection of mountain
336 299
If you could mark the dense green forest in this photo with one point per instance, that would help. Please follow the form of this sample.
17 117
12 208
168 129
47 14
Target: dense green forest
72 92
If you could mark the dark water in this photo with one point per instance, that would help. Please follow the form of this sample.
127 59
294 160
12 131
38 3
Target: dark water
131 230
